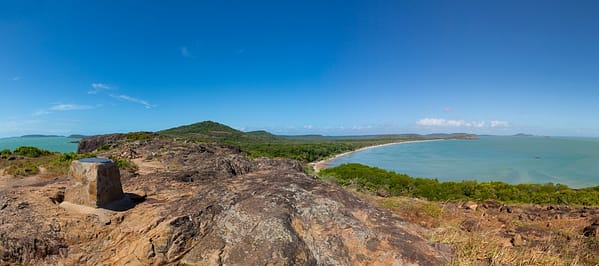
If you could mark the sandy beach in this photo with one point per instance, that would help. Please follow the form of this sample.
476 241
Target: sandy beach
317 166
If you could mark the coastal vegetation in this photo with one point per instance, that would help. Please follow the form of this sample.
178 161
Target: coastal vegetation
384 182
23 152
29 151
304 151
27 161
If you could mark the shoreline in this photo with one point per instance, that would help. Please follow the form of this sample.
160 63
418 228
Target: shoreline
322 164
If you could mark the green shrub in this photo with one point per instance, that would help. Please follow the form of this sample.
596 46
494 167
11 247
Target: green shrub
29 151
125 164
5 152
306 152
372 179
104 147
138 136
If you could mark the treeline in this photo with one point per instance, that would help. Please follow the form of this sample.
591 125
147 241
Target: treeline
26 151
305 152
378 180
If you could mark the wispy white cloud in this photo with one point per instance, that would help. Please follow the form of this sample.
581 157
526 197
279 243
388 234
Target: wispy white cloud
62 108
185 52
41 112
440 122
97 87
69 107
16 78
145 103
362 127
100 86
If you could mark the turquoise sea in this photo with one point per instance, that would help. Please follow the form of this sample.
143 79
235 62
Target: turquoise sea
570 161
61 144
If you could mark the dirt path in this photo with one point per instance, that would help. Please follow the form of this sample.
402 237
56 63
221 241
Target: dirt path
148 167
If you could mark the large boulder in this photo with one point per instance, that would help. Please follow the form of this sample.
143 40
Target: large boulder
94 182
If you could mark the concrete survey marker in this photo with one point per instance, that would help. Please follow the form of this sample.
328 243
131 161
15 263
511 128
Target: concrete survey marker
94 182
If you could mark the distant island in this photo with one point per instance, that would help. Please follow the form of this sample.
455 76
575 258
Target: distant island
41 136
523 135
76 136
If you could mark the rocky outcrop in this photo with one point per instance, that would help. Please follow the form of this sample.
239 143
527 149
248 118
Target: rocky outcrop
209 205
282 219
92 143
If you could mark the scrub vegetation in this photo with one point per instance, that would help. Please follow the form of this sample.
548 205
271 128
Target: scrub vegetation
373 179
27 161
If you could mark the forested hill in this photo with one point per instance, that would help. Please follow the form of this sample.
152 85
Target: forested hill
215 132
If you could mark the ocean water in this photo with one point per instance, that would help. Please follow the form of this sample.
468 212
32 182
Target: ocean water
570 161
60 144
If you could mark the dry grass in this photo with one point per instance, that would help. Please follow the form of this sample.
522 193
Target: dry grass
498 238
27 166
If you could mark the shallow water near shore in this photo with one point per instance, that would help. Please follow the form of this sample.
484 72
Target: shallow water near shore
60 144
570 161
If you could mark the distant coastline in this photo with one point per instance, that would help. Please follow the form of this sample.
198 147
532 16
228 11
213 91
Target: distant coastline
322 164
42 136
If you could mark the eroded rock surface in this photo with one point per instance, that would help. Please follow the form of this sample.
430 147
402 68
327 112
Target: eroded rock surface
210 205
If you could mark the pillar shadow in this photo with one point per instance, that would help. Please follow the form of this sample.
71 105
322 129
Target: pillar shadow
127 202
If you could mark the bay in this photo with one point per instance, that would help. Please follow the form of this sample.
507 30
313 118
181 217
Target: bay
55 144
511 159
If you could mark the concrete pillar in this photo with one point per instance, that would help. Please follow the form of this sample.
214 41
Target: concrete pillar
93 182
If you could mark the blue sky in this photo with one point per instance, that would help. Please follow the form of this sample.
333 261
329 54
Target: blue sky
300 67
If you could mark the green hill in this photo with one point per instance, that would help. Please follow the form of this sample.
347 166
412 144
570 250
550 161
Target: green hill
204 128
215 132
